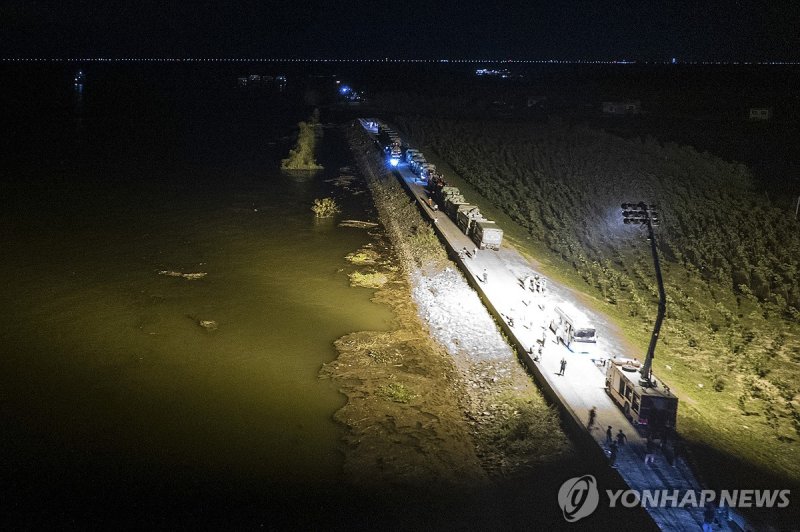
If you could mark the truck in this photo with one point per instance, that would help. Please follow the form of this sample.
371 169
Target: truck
653 406
395 152
466 216
486 234
452 203
441 193
426 169
410 153
388 137
416 162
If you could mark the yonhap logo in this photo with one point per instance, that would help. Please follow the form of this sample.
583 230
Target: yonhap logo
578 497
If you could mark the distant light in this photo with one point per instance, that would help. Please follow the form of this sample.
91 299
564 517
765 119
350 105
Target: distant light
344 89
394 161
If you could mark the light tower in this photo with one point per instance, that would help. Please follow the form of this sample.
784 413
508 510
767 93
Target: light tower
644 214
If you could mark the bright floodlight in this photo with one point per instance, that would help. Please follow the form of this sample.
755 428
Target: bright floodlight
394 161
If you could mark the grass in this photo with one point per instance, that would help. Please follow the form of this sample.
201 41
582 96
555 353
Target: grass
396 392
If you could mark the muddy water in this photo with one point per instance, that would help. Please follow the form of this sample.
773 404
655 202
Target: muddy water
108 384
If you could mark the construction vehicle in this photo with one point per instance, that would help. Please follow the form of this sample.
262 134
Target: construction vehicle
487 235
654 406
416 162
410 153
466 216
451 205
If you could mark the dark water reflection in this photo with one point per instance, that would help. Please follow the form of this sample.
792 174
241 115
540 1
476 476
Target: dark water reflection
109 389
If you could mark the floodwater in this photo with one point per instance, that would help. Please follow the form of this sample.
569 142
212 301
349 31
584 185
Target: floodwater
109 387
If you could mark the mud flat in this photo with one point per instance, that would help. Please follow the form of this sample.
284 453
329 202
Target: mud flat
441 399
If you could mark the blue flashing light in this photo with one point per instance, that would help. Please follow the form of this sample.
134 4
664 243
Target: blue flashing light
344 89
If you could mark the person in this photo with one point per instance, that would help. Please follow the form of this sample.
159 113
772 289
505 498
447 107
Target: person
651 450
592 415
621 438
485 276
709 512
612 457
609 436
563 366
474 252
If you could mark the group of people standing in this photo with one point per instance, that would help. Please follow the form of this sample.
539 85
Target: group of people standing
613 442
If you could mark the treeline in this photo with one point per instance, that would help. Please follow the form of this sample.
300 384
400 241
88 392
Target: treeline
730 258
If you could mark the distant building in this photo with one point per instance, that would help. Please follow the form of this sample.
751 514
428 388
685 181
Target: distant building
760 113
627 107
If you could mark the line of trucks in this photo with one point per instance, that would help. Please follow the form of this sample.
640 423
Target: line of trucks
654 406
485 233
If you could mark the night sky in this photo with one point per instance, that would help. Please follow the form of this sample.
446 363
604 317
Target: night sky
730 30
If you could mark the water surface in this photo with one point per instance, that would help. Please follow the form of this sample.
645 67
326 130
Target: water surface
107 382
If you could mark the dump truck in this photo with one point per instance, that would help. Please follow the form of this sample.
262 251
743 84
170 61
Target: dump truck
410 153
448 193
452 203
466 216
416 162
426 169
487 235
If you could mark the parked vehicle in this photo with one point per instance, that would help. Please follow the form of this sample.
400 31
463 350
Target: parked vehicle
486 234
466 216
410 153
573 328
655 406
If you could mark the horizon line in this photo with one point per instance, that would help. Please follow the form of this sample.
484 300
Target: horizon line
384 60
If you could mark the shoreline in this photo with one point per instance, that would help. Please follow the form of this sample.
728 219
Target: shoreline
441 398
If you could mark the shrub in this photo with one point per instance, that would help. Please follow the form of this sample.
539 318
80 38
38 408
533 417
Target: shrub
325 207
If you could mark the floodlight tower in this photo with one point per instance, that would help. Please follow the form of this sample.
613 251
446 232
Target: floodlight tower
644 214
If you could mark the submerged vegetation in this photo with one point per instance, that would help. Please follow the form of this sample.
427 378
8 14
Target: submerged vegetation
325 207
368 279
302 156
730 342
